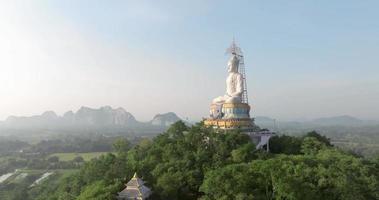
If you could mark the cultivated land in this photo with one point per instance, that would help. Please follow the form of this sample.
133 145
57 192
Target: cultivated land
24 178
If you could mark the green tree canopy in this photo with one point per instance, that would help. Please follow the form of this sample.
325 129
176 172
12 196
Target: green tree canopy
199 162
121 145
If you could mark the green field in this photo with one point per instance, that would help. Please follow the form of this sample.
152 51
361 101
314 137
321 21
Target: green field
19 179
71 156
35 172
3 158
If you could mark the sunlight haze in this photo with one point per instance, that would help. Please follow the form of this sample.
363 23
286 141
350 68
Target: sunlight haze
303 59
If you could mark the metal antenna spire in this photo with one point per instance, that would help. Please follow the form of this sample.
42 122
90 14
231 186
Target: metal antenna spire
235 50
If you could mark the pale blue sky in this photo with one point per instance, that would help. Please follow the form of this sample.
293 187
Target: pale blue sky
305 59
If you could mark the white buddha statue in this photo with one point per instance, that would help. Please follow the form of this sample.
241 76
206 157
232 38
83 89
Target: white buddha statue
234 84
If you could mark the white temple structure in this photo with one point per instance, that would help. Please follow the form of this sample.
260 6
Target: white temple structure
232 110
135 190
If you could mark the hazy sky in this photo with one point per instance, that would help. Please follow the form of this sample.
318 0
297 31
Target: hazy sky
305 59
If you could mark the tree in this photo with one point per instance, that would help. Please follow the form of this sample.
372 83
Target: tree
200 162
245 153
329 174
53 159
312 145
285 144
121 146
99 191
320 138
170 185
177 129
78 159
228 182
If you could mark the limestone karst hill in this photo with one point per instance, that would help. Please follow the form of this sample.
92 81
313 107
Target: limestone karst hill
85 117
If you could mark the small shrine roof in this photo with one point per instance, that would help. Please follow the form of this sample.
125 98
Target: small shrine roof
135 189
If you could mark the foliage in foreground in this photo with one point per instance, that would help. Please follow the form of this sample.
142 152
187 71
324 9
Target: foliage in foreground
197 162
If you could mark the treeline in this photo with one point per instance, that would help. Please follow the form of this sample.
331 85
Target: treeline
38 163
17 154
363 140
9 146
62 144
200 163
74 144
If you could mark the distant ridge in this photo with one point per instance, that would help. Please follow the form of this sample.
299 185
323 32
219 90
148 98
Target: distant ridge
338 120
103 117
111 119
165 119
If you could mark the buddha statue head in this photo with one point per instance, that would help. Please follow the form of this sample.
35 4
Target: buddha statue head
233 64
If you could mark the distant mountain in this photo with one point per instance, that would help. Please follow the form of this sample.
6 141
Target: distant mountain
104 117
45 120
340 121
110 120
264 119
265 122
165 119
343 120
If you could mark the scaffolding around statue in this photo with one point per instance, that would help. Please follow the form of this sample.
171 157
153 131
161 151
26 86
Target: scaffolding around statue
232 115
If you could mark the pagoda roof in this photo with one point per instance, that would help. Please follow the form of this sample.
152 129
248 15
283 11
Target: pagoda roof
135 189
135 181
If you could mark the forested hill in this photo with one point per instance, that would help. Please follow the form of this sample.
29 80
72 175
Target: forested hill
199 163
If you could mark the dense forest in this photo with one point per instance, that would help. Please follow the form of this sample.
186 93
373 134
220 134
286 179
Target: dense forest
200 163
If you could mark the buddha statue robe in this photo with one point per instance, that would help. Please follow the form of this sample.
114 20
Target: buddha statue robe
234 84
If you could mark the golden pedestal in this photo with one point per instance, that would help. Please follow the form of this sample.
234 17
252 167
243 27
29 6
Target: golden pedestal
230 116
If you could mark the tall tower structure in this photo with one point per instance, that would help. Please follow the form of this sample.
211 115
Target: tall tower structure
236 50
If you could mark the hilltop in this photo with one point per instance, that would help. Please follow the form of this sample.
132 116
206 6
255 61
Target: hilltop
199 163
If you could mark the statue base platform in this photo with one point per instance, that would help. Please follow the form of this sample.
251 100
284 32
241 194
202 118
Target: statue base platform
245 124
230 111
231 116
